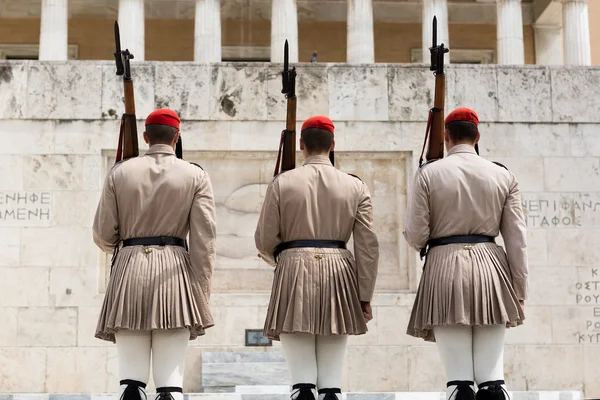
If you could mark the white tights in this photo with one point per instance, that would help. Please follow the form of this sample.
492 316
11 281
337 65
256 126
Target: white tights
471 353
315 359
168 349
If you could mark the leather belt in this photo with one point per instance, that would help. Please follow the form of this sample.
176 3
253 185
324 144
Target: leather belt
293 244
149 241
155 241
470 239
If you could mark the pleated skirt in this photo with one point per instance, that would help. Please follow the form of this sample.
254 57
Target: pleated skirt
315 291
464 287
153 290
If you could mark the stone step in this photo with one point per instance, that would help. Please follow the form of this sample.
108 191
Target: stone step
282 393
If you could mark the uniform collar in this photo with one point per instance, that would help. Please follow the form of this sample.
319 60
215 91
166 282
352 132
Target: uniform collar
160 149
462 148
324 160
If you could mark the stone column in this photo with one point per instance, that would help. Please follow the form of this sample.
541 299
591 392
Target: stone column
576 25
207 36
548 44
439 9
131 25
360 37
54 30
284 26
511 50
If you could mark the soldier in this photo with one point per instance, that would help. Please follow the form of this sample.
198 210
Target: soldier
157 297
320 294
471 289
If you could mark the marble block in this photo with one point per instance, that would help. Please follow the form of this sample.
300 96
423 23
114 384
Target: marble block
262 389
377 368
35 137
86 137
13 89
571 174
10 246
575 93
425 369
61 90
411 93
67 371
72 287
574 246
529 171
9 332
184 88
536 329
16 293
524 94
231 369
584 140
113 100
29 378
475 87
312 93
534 140
358 93
47 327
52 246
238 93
47 172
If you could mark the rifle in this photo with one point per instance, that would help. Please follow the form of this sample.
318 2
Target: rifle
287 145
435 122
128 138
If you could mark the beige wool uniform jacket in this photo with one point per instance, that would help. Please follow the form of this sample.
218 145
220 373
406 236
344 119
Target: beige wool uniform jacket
160 195
464 194
318 201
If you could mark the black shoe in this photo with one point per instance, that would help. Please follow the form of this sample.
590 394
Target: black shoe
304 391
330 393
492 390
463 390
132 391
164 393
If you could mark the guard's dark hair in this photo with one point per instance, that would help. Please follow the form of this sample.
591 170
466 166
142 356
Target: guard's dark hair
317 140
462 131
160 134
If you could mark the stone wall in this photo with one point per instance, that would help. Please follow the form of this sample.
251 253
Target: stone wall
59 124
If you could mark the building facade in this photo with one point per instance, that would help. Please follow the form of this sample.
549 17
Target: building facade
59 122
362 31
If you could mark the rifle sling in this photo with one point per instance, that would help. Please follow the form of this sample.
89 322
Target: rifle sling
428 131
279 153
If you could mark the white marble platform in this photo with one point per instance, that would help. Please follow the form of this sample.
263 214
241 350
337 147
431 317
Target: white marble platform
268 395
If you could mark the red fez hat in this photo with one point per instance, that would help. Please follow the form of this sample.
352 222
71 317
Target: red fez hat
163 116
318 122
462 114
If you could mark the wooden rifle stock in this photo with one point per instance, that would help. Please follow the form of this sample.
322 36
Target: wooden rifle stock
128 139
435 122
286 158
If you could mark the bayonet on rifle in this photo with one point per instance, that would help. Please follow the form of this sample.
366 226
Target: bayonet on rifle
435 123
287 145
128 140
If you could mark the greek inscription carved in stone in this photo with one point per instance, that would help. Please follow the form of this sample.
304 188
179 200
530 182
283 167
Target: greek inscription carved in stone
588 293
561 212
25 206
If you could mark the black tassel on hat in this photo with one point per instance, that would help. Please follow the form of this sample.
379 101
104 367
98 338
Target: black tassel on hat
179 149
